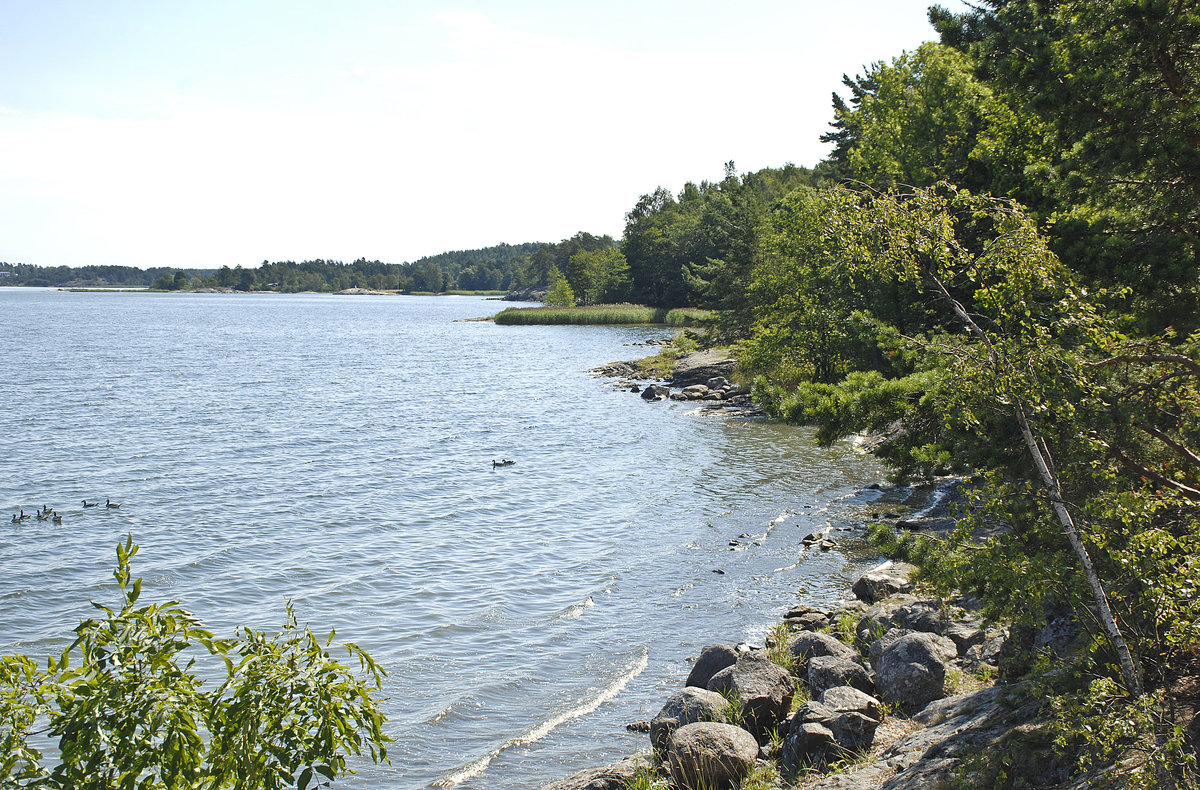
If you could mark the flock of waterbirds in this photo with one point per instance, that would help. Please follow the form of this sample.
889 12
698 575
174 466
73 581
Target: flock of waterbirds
48 513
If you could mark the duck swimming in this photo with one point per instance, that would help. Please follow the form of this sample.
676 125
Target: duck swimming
502 462
110 504
90 504
57 518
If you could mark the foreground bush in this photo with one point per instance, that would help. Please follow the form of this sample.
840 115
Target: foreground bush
129 711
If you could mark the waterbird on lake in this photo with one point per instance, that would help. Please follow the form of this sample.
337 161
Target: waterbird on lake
502 462
16 519
44 514
57 518
110 503
90 504
24 515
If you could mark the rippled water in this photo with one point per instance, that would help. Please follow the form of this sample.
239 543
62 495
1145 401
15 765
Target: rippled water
338 451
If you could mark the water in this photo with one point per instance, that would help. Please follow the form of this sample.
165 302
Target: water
337 452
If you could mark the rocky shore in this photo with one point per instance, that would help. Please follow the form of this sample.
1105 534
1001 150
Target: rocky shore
886 690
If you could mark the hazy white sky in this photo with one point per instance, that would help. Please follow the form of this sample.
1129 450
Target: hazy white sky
224 132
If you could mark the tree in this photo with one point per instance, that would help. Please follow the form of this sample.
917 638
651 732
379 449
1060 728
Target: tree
560 293
130 711
598 276
1115 86
925 118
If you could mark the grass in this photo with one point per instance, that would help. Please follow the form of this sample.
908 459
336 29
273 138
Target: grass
602 314
777 647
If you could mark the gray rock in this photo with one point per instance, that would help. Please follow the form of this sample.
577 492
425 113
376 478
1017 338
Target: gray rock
655 392
764 689
910 672
712 659
943 648
807 644
717 383
695 392
686 707
710 755
613 777
853 730
840 699
813 711
826 672
888 579
806 743
809 621
700 366
965 634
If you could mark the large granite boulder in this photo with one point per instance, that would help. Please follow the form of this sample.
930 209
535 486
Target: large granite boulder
885 580
910 671
712 659
709 755
808 644
763 688
826 672
687 706
942 647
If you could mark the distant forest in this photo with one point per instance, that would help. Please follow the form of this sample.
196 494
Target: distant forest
501 267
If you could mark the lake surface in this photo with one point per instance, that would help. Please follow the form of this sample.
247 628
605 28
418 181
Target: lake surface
337 451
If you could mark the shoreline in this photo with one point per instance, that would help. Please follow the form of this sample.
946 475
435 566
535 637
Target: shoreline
945 724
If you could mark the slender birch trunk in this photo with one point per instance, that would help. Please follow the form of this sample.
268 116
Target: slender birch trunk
1129 670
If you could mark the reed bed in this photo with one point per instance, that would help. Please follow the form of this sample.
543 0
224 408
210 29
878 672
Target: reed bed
603 314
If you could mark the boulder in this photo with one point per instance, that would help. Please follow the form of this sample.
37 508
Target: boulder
708 755
943 648
712 660
613 777
655 392
910 672
684 707
826 672
853 730
809 621
806 743
800 609
841 699
695 392
717 383
879 583
763 688
807 644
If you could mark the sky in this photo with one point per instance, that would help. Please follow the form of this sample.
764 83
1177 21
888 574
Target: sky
225 132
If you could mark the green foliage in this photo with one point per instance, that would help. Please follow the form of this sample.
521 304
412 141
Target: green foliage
129 709
1114 87
560 293
777 647
598 276
1100 724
